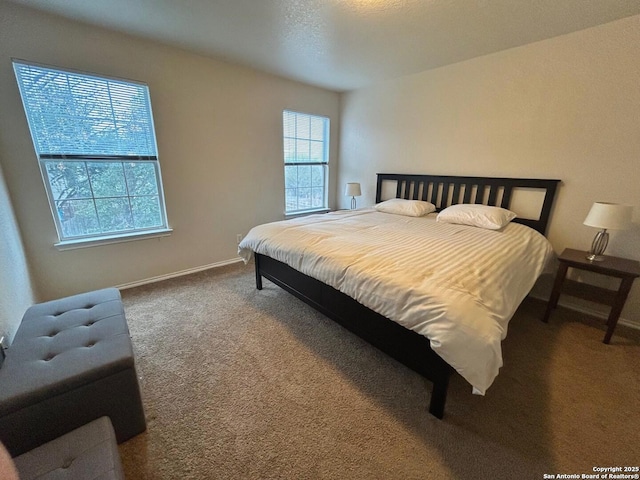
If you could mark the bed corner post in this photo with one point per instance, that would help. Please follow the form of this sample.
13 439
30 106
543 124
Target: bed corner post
439 397
256 256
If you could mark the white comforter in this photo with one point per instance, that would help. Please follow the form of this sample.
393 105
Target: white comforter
457 285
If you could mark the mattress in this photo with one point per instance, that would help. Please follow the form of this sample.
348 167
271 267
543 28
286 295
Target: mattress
457 285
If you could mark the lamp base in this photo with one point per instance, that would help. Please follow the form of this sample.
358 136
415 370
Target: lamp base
598 246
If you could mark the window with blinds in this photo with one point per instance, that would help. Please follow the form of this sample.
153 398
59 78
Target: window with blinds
306 162
95 141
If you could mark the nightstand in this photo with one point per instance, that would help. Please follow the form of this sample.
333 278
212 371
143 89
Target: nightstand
626 270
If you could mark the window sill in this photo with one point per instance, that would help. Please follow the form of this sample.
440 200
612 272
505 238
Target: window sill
306 212
106 240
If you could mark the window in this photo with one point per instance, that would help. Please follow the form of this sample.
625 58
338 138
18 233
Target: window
96 146
306 162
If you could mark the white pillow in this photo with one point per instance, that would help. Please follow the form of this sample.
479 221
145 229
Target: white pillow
411 208
483 216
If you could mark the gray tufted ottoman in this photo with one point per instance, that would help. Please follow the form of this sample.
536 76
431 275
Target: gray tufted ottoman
87 452
71 362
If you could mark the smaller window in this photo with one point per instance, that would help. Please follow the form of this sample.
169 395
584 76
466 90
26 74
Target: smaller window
306 162
96 147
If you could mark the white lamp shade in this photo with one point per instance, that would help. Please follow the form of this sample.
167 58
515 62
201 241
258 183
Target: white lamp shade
610 216
353 190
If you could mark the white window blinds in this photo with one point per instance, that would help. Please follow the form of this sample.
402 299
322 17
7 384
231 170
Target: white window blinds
74 114
305 138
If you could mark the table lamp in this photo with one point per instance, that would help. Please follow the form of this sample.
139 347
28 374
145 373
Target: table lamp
353 191
607 216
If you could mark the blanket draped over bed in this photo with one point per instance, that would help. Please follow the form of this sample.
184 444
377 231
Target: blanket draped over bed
457 285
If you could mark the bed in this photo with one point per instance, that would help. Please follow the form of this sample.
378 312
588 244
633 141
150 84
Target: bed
426 310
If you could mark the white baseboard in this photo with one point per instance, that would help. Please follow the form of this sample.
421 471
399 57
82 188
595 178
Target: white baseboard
181 273
591 312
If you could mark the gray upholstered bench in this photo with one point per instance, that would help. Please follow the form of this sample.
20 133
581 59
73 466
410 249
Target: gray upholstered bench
88 452
71 362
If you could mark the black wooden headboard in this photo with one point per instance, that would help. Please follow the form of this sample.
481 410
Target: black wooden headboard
446 190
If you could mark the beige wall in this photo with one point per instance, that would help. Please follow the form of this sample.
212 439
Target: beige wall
219 132
16 292
566 108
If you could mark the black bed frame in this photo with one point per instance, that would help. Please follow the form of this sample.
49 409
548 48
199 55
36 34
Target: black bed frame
406 346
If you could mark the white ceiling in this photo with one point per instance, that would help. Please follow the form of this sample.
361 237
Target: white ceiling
343 44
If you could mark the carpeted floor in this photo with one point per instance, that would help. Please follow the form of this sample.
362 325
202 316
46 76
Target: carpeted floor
245 384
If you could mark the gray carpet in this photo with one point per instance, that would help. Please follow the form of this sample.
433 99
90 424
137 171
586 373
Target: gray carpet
246 384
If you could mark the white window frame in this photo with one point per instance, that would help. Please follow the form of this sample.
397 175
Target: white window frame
297 162
146 156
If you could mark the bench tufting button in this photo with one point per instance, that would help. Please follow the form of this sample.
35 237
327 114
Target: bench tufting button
49 358
90 344
67 462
